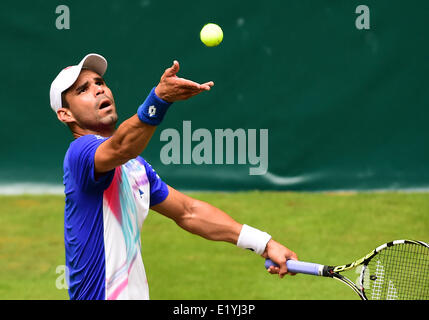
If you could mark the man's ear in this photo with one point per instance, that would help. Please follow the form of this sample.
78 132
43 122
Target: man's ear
65 115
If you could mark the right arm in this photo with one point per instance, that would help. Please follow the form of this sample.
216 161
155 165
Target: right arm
209 222
133 135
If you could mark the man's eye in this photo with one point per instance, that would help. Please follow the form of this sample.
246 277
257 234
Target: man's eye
82 90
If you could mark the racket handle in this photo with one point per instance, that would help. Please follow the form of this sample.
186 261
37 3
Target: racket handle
299 267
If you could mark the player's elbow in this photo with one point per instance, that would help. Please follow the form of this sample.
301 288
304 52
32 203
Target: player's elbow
188 219
123 151
121 155
128 154
198 218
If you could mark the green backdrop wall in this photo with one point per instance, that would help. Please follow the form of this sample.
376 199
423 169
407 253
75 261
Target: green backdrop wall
344 108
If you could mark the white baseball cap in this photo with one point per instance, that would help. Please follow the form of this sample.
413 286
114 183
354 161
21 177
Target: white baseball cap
69 75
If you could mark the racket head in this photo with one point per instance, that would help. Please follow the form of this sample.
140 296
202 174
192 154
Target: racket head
397 270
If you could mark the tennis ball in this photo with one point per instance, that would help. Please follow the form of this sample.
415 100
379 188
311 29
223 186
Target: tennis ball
211 35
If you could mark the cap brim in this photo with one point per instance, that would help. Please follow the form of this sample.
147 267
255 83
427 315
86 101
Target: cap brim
94 62
68 76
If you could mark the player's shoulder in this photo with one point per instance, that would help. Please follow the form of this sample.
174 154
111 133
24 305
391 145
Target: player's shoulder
87 139
83 145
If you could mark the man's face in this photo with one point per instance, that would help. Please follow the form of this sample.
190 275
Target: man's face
91 103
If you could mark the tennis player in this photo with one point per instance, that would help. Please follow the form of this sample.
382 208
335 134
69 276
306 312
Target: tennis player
109 187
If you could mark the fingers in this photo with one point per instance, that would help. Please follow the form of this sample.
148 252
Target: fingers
207 86
173 70
189 84
281 271
273 270
182 89
279 254
172 88
186 84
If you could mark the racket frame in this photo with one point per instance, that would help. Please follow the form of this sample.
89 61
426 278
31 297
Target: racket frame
334 271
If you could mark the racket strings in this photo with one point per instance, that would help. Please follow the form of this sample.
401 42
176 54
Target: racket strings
399 272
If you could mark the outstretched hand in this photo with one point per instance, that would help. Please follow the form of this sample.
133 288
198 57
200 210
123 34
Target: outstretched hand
172 88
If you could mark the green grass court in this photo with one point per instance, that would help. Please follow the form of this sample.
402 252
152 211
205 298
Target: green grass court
328 228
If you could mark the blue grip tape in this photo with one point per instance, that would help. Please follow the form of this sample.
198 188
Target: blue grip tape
299 267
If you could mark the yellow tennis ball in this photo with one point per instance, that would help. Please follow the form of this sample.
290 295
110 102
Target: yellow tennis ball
211 35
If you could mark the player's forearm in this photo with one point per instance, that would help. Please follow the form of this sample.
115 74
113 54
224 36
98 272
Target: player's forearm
209 222
134 134
132 137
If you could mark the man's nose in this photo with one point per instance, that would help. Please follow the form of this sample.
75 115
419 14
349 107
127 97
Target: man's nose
99 90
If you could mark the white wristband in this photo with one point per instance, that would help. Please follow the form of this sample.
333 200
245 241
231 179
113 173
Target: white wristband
253 239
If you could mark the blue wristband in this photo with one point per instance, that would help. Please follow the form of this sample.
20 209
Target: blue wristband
153 109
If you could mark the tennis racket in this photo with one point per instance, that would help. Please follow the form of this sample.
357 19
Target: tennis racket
397 270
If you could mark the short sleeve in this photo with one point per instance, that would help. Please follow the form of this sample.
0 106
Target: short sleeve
79 164
158 188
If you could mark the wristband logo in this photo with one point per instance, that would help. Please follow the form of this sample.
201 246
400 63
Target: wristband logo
229 147
151 111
